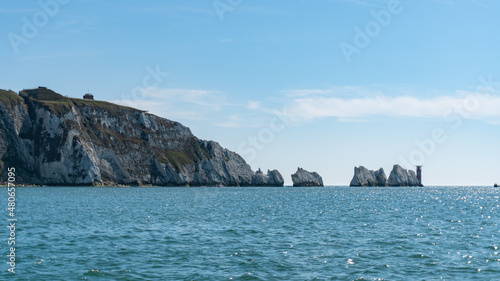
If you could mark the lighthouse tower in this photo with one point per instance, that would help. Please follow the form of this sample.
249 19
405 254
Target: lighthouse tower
419 174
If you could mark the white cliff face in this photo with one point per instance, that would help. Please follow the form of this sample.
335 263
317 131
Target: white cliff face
305 178
364 177
402 177
77 164
64 156
76 142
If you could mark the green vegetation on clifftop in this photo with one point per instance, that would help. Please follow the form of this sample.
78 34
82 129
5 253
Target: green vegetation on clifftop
59 104
9 97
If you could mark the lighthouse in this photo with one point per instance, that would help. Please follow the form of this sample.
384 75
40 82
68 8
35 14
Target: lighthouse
419 175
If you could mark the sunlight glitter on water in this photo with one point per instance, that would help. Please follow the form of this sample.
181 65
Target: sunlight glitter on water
324 233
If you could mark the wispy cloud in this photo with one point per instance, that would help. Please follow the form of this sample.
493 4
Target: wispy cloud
253 105
191 104
482 106
345 103
208 99
348 91
242 121
209 106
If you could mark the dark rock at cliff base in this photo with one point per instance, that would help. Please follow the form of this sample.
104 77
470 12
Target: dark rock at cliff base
402 177
381 177
364 177
305 178
54 140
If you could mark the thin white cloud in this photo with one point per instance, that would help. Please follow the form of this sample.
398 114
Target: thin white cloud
163 109
345 103
469 105
208 99
253 105
188 104
209 106
238 121
348 91
306 92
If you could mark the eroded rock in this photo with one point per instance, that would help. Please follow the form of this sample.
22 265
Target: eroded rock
305 178
402 177
364 177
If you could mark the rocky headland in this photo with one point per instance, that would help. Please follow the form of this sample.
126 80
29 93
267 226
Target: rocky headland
305 178
54 140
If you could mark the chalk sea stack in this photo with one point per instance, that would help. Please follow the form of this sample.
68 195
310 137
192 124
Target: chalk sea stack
272 178
54 140
305 178
364 177
402 177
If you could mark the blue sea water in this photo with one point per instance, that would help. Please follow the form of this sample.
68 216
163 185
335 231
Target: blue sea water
328 233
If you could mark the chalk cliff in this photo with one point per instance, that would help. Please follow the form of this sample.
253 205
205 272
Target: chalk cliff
305 178
402 177
54 140
364 177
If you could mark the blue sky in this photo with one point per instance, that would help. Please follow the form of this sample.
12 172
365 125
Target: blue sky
274 82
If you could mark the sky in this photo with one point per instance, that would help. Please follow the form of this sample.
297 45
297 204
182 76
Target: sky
325 85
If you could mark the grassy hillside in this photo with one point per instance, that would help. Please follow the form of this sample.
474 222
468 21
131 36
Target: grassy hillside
59 104
9 97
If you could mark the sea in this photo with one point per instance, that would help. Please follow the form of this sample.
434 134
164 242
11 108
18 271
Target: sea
253 233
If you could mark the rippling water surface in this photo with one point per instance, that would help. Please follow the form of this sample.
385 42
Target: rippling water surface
330 233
